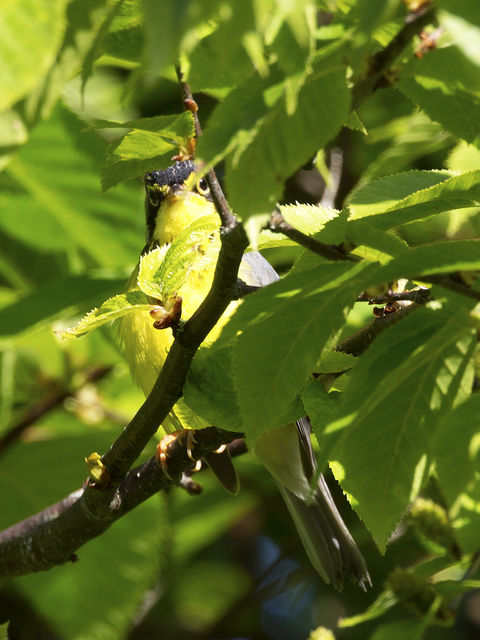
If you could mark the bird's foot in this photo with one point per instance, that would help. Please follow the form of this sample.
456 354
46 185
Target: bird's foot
161 453
167 314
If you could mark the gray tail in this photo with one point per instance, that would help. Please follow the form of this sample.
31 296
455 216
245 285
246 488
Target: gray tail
327 541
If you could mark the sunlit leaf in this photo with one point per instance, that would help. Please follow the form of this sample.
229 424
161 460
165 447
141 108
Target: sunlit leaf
56 299
456 109
394 200
284 142
110 310
266 324
147 148
456 465
395 396
164 270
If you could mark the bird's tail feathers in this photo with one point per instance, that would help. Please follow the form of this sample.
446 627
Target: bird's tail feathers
325 537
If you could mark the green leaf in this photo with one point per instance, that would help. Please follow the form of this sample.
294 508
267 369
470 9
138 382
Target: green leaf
402 140
386 244
164 270
334 361
108 311
274 354
229 53
13 131
367 17
209 389
353 122
111 10
381 194
124 39
22 68
175 127
282 143
456 465
440 257
311 219
408 377
449 589
464 157
147 148
215 74
65 191
234 121
465 514
173 29
54 300
463 32
293 45
469 10
62 210
448 65
455 109
395 200
83 21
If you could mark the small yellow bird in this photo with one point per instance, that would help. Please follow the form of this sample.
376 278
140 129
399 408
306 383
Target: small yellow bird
171 206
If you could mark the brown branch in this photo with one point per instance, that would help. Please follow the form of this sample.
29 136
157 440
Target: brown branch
449 282
46 405
382 61
420 295
52 537
278 224
226 215
359 341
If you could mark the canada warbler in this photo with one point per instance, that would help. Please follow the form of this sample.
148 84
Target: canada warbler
171 206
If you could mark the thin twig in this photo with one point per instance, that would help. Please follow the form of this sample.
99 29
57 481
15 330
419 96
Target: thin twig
452 284
358 342
278 224
335 174
420 295
382 61
226 215
46 405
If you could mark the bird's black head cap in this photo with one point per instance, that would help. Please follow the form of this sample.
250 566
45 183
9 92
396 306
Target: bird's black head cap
176 174
157 184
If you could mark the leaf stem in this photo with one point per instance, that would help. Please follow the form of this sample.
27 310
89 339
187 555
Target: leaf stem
278 224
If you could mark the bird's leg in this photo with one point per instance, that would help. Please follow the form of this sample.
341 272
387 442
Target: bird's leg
219 460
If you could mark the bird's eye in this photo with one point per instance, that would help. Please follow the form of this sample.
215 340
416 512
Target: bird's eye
202 187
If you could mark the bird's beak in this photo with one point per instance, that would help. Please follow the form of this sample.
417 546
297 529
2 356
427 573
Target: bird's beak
176 192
